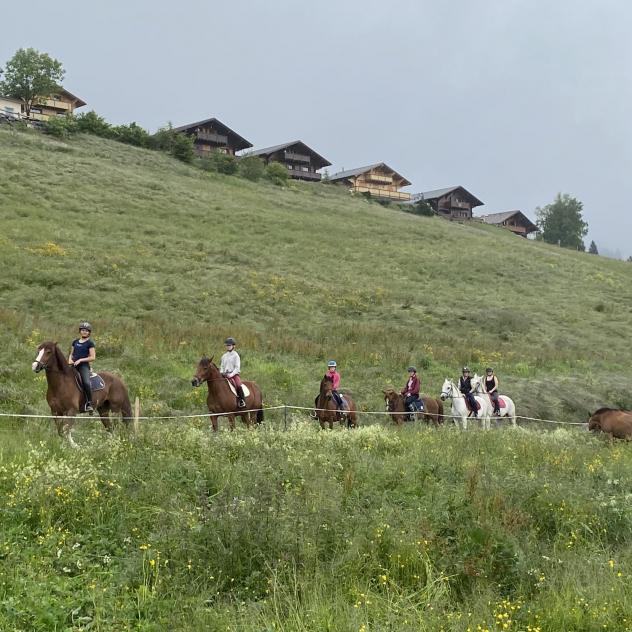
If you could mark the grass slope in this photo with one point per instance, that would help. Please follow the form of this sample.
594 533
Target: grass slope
300 530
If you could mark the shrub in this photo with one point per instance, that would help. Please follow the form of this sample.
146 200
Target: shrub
92 123
419 208
131 134
251 168
277 173
180 146
61 126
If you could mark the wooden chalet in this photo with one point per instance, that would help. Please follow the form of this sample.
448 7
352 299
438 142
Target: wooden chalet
454 203
10 108
212 135
301 161
378 180
515 221
60 103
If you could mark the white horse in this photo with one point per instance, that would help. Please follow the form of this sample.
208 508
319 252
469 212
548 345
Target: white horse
507 407
450 390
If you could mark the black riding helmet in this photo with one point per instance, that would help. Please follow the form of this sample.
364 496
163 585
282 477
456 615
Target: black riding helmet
412 369
230 341
466 369
489 370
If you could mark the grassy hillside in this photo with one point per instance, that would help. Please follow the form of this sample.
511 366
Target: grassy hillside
166 260
303 530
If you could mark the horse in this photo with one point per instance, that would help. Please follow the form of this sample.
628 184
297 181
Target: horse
66 399
449 390
396 406
327 410
222 399
506 404
612 421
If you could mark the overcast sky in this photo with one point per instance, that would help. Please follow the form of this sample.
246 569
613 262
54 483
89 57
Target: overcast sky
516 100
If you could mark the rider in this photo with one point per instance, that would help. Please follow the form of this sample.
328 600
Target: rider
335 379
230 367
411 391
465 386
82 352
491 388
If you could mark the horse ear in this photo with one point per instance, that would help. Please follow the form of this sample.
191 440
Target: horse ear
211 358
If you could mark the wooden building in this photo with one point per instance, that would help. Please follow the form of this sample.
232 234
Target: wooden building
10 108
515 221
212 135
59 104
301 161
378 180
454 203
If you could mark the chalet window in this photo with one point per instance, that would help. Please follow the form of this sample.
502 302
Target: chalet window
304 168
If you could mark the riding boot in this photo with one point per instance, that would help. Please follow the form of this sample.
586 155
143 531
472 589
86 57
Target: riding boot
241 400
88 397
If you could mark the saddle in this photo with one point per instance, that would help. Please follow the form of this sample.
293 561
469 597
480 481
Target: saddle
96 381
245 389
478 405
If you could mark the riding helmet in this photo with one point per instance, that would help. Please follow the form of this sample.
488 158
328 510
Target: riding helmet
466 369
412 369
85 325
489 370
332 363
230 341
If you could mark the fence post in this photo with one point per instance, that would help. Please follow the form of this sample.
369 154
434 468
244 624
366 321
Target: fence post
136 414
285 416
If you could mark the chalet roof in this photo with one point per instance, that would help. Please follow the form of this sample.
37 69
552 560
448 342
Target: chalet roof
435 194
236 140
319 161
79 102
499 218
349 173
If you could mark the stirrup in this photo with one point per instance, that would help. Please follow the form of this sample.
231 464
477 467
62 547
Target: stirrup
241 403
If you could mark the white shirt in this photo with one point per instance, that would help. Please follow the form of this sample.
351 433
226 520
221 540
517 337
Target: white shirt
230 364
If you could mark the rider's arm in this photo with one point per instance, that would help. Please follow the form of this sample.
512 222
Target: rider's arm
495 387
70 360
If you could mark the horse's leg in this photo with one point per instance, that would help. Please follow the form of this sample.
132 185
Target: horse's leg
64 428
104 413
231 422
214 422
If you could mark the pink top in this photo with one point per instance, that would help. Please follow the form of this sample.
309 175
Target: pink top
335 376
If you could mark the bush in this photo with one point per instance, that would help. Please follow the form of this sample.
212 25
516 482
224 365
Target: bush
277 173
220 163
180 146
251 168
131 134
92 123
419 208
61 126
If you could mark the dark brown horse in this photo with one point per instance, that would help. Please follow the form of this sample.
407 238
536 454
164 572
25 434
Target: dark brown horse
613 422
221 400
327 410
395 404
66 400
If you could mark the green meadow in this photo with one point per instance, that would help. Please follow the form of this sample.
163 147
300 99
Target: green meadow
376 529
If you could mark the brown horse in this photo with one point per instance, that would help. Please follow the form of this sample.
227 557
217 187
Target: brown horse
613 422
66 400
395 404
221 400
327 410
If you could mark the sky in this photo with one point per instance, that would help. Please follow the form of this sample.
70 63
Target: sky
516 100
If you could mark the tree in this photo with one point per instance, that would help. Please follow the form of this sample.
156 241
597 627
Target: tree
277 173
629 259
561 222
30 76
592 249
251 168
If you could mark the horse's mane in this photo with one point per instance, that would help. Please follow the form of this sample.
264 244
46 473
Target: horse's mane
207 362
60 359
605 409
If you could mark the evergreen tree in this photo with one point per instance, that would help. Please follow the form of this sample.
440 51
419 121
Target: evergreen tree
592 249
561 222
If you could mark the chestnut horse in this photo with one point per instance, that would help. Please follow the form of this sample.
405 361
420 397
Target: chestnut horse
66 400
327 410
221 400
395 404
613 422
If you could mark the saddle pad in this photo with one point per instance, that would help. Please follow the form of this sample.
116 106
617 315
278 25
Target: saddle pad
243 386
96 382
501 403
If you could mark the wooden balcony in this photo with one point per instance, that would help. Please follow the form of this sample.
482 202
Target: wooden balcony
382 192
291 156
212 137
379 178
56 105
304 175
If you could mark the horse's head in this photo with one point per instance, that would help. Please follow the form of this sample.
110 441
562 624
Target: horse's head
390 399
446 389
326 387
477 383
46 355
206 370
